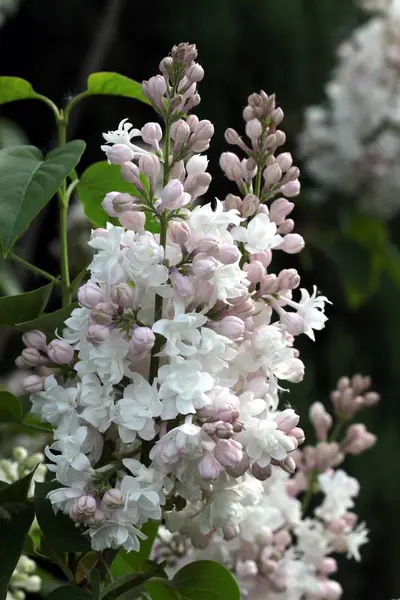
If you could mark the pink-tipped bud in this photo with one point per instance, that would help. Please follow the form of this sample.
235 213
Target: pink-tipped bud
223 430
180 131
143 338
108 203
327 566
96 519
272 174
97 334
264 536
204 130
134 220
297 434
122 202
288 465
122 295
246 568
149 165
228 254
31 357
90 294
321 420
293 322
253 129
288 279
156 85
231 165
207 245
113 498
292 243
282 539
261 473
118 154
181 284
173 195
286 227
82 508
195 73
331 590
279 210
228 452
129 173
232 137
151 134
358 439
285 161
232 202
255 271
60 352
291 189
204 266
180 232
250 205
209 468
35 339
264 257
231 327
287 419
230 532
33 384
240 467
103 313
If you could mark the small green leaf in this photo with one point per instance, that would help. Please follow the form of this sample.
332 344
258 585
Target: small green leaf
48 323
95 582
58 530
23 307
114 84
98 180
28 182
15 88
16 516
205 579
128 562
69 592
129 582
10 408
161 591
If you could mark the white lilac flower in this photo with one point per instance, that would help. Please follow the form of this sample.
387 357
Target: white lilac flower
56 405
339 490
264 441
97 402
260 234
181 332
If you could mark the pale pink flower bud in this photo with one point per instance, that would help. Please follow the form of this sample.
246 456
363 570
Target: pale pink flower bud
357 439
82 508
231 327
123 202
243 309
228 452
90 294
180 232
134 220
204 130
286 226
287 419
60 352
240 467
288 279
209 468
255 271
103 313
33 384
173 195
264 257
264 536
332 590
149 165
231 165
293 322
277 115
35 339
282 539
228 254
320 419
250 205
232 202
21 363
230 531
207 245
268 566
144 337
107 204
285 161
122 295
258 385
279 210
130 173
247 568
371 398
232 137
247 113
97 334
192 121
113 498
327 566
297 434
261 473
253 129
96 519
291 189
204 266
32 357
292 243
224 429
180 131
118 154
288 465
195 73
181 284
272 174
156 85
152 134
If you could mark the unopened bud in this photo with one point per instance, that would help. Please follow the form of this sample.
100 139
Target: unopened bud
261 473
231 327
113 498
108 203
103 313
272 174
287 419
291 189
285 161
180 131
130 173
253 129
292 243
195 73
151 134
35 339
230 532
122 202
180 232
90 294
173 195
228 254
134 220
60 352
97 334
32 357
33 384
279 210
209 468
228 452
232 202
118 154
255 271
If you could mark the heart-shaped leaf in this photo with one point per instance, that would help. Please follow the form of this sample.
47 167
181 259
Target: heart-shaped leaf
114 84
15 88
29 181
23 307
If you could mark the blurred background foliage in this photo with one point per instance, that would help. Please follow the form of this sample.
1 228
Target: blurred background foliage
282 46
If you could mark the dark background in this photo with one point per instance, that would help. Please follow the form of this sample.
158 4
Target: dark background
281 46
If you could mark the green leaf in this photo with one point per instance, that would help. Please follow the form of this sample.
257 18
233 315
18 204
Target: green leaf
23 307
160 591
205 579
48 323
95 582
128 562
69 592
10 408
15 88
16 517
129 582
99 179
114 84
58 530
28 182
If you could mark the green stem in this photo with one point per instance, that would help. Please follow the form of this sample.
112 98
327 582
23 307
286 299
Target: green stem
76 282
167 144
32 268
49 103
336 431
63 201
35 428
73 102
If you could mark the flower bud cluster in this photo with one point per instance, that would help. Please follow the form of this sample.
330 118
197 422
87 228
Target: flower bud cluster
24 580
183 339
352 145
282 548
